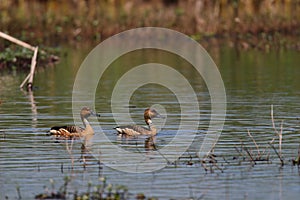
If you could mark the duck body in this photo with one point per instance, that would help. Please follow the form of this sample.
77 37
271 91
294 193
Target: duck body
66 131
135 130
71 132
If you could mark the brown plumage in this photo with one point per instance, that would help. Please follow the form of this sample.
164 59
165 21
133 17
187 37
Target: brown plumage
70 132
135 130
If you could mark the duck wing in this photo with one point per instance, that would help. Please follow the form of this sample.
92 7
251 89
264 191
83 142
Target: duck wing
133 130
66 131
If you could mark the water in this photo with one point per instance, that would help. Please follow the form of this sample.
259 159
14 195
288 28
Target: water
254 81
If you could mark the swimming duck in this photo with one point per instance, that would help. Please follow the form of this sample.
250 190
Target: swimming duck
69 132
135 130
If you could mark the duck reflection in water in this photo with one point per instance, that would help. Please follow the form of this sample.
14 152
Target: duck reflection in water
71 132
150 144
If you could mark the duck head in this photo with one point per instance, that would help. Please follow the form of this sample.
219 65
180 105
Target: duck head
149 114
86 112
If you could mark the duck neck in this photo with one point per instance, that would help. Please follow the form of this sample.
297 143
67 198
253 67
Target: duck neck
88 128
153 129
151 126
148 121
85 122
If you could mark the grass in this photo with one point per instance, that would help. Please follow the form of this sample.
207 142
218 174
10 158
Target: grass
100 191
50 22
244 25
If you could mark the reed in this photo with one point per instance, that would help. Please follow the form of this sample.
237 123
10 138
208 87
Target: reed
94 20
279 134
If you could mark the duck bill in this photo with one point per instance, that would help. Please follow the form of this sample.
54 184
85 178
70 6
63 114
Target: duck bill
95 114
160 116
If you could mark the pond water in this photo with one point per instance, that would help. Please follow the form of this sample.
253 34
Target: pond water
254 80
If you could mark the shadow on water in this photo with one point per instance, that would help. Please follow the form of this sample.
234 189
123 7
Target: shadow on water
253 80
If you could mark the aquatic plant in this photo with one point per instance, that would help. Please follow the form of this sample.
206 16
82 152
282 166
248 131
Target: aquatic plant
102 190
262 155
52 194
17 57
210 163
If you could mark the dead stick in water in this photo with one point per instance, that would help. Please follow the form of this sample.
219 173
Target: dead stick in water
18 42
26 79
276 131
240 153
281 160
254 142
15 40
272 118
280 138
33 59
249 154
32 67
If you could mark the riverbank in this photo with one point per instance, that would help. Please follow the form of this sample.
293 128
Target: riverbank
246 24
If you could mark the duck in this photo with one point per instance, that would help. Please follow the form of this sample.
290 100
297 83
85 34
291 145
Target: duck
75 132
135 130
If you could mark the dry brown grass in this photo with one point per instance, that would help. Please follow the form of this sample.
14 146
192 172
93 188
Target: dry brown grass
96 20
